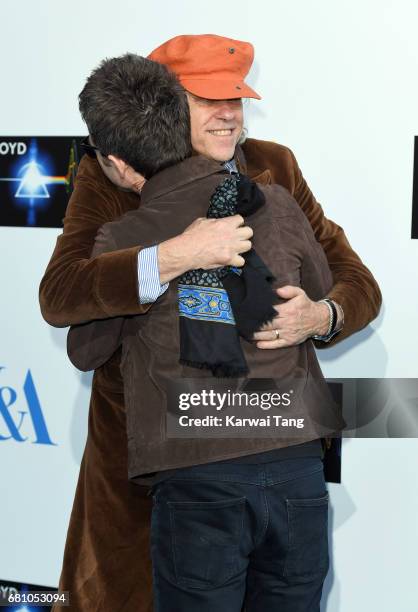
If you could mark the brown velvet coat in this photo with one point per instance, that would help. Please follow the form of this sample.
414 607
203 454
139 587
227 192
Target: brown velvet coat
106 562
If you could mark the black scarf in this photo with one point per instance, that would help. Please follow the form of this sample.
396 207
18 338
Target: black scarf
218 306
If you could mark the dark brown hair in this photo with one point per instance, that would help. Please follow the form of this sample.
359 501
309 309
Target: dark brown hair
136 109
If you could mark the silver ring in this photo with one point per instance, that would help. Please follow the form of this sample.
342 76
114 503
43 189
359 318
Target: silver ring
276 331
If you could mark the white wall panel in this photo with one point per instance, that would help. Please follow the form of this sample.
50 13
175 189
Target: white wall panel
340 87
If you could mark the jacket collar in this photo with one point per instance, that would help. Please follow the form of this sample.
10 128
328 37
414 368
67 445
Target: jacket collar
172 178
195 168
262 176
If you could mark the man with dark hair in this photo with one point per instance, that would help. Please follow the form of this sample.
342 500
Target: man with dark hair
76 289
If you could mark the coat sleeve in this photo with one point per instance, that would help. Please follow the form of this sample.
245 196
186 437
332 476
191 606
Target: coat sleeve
91 344
354 286
76 287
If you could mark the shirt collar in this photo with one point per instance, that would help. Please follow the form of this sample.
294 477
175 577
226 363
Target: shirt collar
231 166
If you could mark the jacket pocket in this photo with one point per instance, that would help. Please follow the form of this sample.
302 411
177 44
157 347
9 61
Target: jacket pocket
308 537
205 541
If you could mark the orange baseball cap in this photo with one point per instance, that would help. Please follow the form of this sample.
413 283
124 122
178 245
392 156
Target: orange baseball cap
209 66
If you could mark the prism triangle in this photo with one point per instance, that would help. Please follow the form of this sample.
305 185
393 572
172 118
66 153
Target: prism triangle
32 184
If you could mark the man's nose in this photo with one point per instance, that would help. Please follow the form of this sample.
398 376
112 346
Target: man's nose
225 110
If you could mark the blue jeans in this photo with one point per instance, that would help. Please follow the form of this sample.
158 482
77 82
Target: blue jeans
230 536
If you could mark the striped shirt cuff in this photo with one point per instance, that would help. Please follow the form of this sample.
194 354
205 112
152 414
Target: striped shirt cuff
149 285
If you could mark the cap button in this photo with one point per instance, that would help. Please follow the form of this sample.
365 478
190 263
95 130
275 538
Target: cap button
231 50
237 87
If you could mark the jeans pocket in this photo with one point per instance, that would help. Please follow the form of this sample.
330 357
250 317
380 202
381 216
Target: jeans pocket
308 536
205 541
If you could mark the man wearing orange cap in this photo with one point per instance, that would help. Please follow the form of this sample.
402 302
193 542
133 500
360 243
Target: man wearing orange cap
106 564
212 70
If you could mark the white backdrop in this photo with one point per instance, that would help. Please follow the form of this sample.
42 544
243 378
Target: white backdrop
340 87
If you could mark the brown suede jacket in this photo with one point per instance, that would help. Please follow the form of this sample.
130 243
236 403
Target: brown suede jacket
284 240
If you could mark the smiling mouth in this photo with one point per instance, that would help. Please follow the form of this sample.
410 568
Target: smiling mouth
221 132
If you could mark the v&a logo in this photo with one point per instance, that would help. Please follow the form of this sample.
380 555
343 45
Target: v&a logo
21 416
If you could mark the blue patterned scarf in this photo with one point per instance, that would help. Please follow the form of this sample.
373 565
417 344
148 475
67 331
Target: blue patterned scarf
217 307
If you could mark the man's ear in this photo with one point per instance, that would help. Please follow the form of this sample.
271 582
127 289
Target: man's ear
120 165
131 179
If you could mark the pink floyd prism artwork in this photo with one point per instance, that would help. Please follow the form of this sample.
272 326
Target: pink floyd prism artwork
36 179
